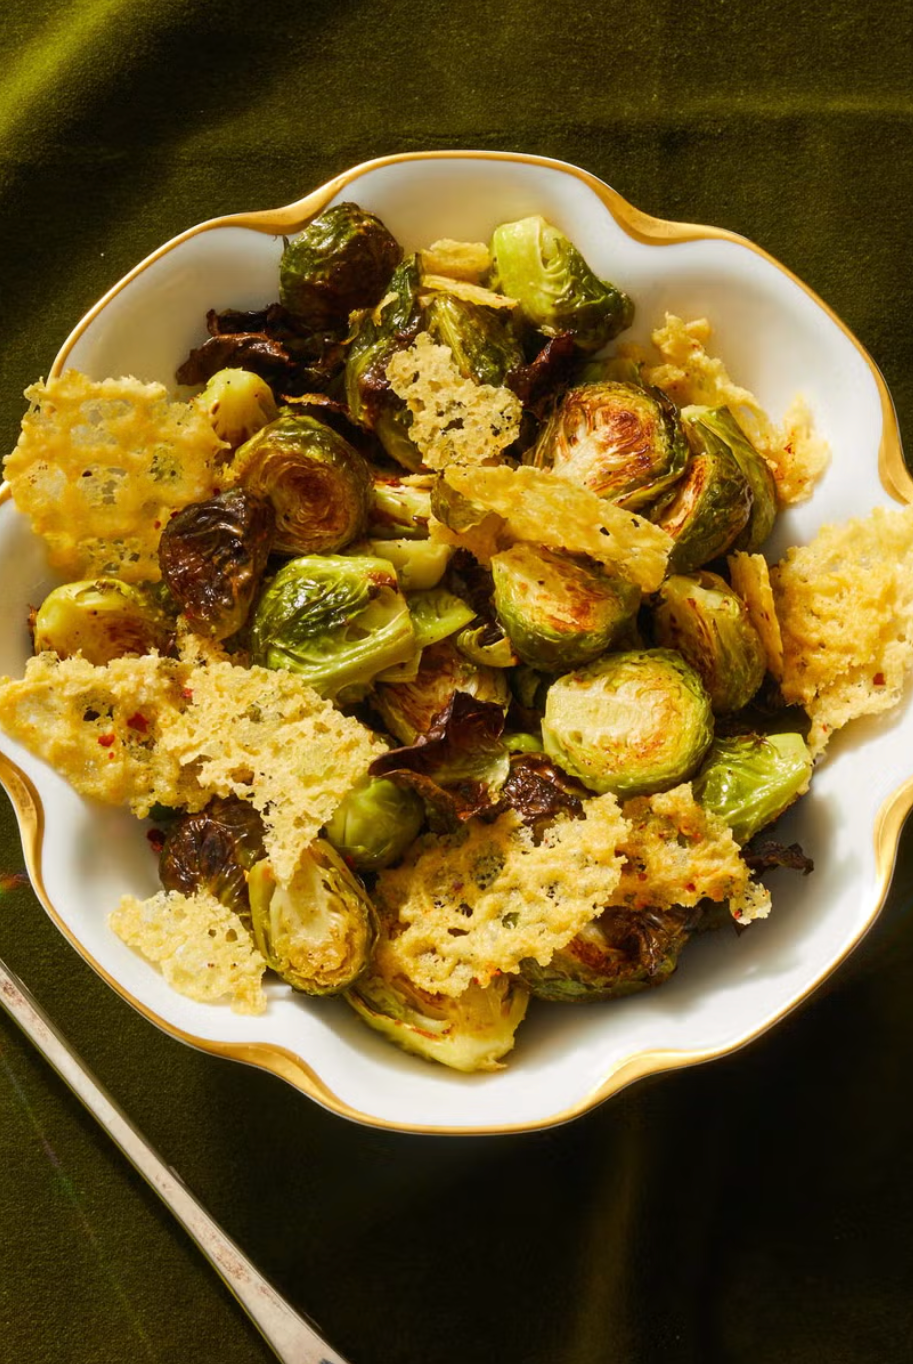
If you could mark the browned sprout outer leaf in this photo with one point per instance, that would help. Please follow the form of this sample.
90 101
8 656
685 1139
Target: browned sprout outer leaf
539 791
212 556
212 850
270 342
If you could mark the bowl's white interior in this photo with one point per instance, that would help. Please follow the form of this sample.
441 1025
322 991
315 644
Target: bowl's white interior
777 341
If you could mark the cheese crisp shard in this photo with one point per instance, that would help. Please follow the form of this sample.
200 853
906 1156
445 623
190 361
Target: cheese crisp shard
797 457
464 907
677 853
538 507
456 260
845 604
749 575
454 420
101 465
202 947
151 730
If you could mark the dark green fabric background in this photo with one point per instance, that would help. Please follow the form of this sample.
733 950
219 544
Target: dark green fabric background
758 1209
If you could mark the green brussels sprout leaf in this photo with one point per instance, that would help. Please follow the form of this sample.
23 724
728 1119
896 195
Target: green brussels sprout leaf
750 779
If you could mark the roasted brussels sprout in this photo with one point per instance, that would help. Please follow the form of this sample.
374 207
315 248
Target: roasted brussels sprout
342 260
558 612
621 441
750 779
400 508
632 723
622 951
709 625
437 614
213 850
317 931
709 428
409 708
419 564
374 338
707 509
318 486
212 556
237 403
101 618
375 823
484 345
334 619
557 291
470 1032
488 646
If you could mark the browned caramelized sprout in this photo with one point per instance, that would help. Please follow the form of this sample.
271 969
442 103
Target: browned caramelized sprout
213 850
342 260
709 625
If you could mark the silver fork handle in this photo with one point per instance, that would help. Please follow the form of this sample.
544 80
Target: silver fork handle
292 1339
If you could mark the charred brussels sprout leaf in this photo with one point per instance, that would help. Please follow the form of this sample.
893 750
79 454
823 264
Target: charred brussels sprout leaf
707 509
237 403
101 618
212 851
317 931
750 779
336 620
471 1032
710 428
621 441
212 555
375 823
409 709
632 723
342 260
318 486
556 289
271 342
556 611
374 338
709 625
484 345
537 789
619 953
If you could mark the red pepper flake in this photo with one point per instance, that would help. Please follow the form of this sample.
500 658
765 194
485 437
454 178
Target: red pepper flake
106 740
878 680
691 886
138 722
187 693
156 840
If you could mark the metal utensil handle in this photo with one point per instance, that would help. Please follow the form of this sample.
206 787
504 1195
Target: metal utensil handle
292 1339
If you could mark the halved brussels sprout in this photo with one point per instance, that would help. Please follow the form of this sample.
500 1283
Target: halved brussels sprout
557 291
212 850
621 441
707 509
375 823
484 345
101 618
556 611
420 564
468 1033
341 261
619 953
709 625
437 614
374 338
335 620
317 484
400 508
750 779
212 556
632 723
409 708
711 427
317 931
238 404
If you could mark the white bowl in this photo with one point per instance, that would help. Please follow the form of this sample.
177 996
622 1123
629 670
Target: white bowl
777 338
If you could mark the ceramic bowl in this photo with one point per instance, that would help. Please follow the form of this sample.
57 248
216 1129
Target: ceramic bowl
778 339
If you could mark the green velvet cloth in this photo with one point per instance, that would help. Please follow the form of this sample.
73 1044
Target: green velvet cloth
754 1210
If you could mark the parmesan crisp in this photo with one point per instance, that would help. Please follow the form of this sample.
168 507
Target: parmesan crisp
749 576
845 605
464 907
454 420
457 260
796 456
100 467
538 507
203 948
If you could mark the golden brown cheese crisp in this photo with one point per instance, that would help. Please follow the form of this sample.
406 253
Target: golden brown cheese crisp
749 575
538 507
457 260
677 853
150 730
797 457
464 907
845 605
454 421
204 950
101 465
